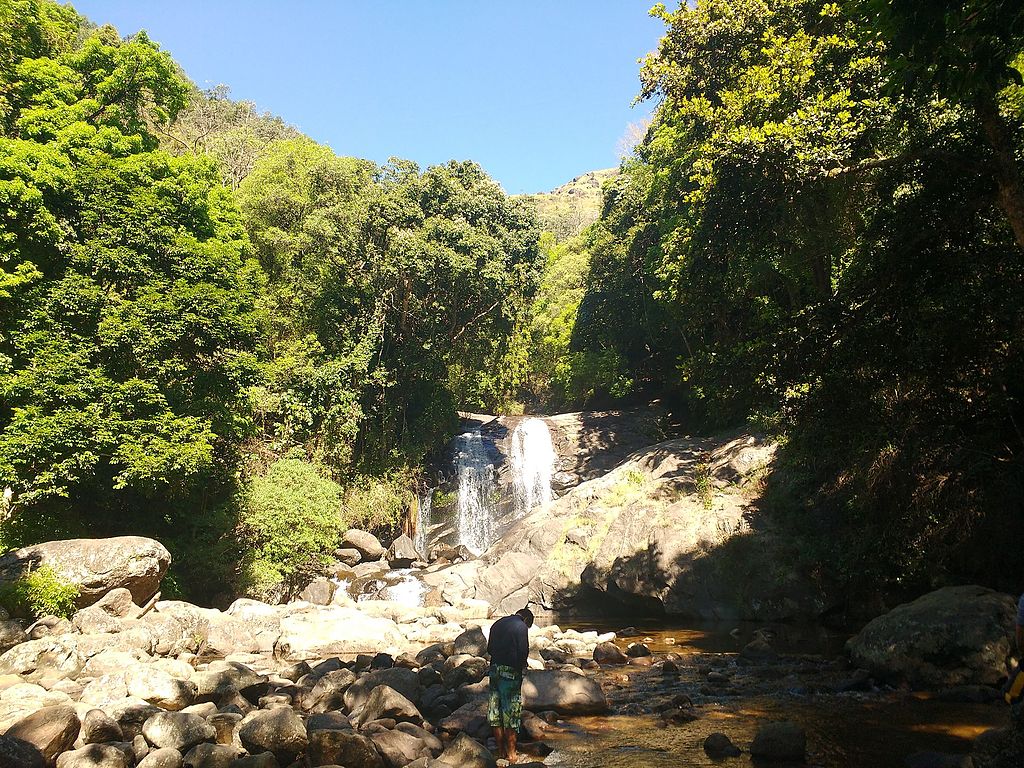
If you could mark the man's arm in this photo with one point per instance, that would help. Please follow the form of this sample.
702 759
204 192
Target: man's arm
522 644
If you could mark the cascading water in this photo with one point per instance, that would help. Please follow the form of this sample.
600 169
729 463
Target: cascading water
425 504
532 462
476 487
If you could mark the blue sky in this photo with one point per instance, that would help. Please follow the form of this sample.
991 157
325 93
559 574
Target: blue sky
536 91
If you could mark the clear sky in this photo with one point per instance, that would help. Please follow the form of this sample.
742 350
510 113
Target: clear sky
536 91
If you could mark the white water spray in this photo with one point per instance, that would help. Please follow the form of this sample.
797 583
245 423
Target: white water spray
532 462
423 510
476 488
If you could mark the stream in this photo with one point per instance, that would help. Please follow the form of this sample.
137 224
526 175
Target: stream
874 728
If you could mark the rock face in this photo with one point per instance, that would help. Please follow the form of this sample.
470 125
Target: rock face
96 566
953 636
674 528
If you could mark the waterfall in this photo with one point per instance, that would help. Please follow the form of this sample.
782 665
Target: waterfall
423 509
532 463
476 487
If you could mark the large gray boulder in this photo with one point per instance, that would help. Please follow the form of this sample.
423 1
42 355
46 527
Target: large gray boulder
348 748
159 688
952 636
278 730
335 631
17 754
368 546
402 552
404 681
96 566
385 702
178 730
51 730
567 693
464 752
399 749
94 756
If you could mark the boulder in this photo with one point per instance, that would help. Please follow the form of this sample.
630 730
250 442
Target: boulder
471 642
178 730
952 636
221 678
161 758
18 754
319 591
329 691
211 756
335 631
399 748
363 542
609 653
348 748
718 745
22 699
404 681
385 702
779 741
159 688
564 692
278 730
94 756
348 556
402 553
99 727
11 633
465 752
57 653
51 730
96 566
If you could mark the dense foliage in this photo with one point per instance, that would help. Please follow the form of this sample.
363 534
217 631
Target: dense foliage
818 234
191 292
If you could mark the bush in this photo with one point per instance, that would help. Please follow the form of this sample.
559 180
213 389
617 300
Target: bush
290 523
41 592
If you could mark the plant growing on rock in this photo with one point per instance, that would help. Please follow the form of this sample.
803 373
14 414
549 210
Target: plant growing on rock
39 592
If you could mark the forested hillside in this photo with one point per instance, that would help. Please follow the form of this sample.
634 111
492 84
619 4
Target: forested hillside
214 330
821 235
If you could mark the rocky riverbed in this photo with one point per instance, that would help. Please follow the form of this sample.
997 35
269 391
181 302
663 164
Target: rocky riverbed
383 685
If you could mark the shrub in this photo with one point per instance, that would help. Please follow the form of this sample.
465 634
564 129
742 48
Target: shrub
290 523
40 592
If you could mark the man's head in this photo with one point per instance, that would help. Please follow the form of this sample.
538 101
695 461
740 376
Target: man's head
526 615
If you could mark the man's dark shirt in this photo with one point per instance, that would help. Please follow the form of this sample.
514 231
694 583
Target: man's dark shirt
509 643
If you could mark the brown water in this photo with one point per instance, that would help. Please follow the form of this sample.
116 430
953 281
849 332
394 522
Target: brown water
874 729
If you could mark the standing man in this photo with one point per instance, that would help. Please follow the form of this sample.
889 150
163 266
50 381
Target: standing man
508 646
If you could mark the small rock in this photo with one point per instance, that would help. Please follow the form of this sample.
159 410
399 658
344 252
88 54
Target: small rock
718 745
365 543
386 702
320 591
402 553
348 556
637 650
465 752
609 653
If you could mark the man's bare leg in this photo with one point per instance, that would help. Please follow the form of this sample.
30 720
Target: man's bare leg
510 751
499 736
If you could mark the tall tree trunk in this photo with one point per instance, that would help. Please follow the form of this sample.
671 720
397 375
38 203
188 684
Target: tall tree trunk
1008 176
